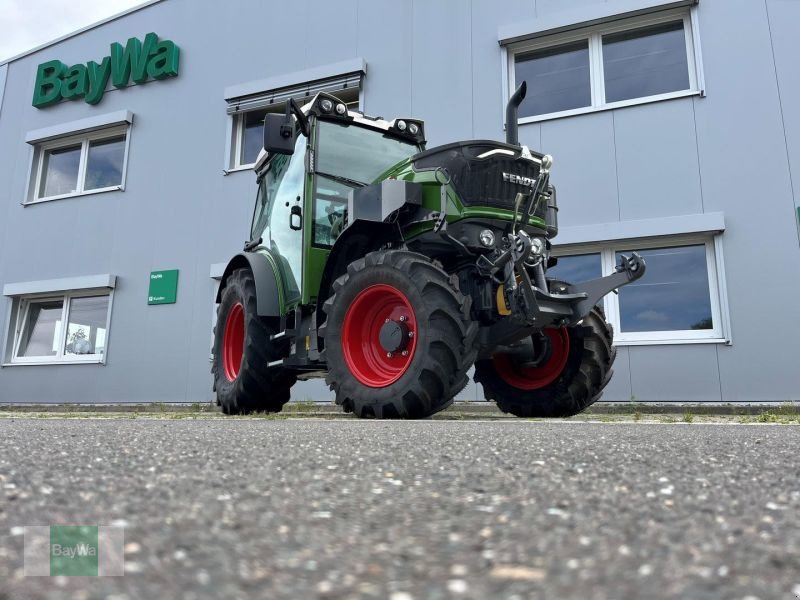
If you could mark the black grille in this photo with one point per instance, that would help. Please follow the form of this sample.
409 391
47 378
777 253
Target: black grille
480 181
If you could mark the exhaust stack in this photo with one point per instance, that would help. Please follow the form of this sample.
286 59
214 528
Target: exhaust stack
511 113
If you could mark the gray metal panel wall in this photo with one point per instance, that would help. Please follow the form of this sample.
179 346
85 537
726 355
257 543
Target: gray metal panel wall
439 60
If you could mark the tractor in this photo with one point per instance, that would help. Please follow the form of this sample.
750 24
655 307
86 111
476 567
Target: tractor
391 270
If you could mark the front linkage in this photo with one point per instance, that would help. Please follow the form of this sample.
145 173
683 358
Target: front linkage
530 304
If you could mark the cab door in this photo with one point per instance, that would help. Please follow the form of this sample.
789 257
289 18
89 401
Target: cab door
277 218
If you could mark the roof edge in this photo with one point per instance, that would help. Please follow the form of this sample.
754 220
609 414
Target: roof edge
79 31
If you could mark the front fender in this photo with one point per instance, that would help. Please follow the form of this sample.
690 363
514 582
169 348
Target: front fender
269 299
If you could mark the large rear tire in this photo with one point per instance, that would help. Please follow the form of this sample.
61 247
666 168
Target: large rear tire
242 351
399 339
572 379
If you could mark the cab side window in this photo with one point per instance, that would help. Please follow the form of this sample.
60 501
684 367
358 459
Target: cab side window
330 211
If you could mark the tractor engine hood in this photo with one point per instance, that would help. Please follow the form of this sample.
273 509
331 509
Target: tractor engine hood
484 172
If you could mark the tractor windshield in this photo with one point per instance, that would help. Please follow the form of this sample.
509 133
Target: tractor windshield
358 154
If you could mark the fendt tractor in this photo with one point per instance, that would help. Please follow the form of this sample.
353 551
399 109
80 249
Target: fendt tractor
391 270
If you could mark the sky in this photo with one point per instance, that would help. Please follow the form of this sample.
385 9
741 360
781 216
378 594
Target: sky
29 23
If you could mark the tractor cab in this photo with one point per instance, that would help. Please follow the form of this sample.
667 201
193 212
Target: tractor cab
313 158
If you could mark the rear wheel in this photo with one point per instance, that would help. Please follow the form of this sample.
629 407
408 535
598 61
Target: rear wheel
242 351
570 380
398 337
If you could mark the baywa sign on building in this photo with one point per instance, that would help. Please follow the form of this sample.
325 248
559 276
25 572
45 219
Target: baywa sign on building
137 61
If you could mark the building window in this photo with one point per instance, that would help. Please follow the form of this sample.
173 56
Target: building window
82 164
63 328
677 300
578 267
638 60
248 129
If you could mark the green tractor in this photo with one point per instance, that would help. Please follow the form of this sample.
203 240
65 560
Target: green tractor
391 270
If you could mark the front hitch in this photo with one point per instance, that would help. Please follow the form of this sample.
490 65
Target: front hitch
629 270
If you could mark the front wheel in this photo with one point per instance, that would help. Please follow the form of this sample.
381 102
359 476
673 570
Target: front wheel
398 337
570 380
242 351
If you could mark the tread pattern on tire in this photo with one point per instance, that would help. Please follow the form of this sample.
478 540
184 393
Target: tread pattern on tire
257 388
446 349
581 384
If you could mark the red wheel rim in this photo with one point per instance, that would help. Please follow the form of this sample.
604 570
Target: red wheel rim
534 378
364 355
233 342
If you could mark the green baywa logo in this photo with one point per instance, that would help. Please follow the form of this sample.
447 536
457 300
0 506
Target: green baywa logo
74 550
137 61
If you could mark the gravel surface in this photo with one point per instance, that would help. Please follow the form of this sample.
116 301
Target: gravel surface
337 509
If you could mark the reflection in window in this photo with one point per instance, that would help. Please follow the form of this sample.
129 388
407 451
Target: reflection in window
71 327
252 135
330 209
632 61
576 268
283 185
80 163
60 171
645 62
358 153
41 330
558 79
86 326
104 165
673 295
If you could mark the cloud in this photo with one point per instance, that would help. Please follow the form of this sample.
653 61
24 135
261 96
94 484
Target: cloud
29 23
652 315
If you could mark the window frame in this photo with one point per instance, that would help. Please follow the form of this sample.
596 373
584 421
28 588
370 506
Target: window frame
715 268
23 304
84 139
594 36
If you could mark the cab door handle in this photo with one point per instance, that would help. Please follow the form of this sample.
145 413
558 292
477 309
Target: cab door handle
296 216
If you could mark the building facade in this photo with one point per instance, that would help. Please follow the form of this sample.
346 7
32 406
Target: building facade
126 152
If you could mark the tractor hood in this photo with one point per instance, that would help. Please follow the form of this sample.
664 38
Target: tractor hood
484 172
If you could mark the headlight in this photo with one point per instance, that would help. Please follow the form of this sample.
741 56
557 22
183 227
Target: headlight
487 238
326 105
413 129
341 109
401 125
537 246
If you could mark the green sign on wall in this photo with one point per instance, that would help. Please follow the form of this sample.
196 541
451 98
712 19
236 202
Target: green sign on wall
163 287
137 61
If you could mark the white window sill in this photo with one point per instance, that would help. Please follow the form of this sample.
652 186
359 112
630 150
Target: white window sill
114 188
39 363
611 106
238 169
669 342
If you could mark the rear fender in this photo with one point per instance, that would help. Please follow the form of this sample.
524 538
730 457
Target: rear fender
268 291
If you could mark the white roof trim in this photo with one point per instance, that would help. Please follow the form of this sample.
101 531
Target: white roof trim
80 126
79 31
353 65
46 286
626 230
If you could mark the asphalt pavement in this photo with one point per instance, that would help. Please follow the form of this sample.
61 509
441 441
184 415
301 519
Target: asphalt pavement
306 508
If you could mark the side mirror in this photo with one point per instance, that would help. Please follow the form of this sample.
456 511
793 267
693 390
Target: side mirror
279 134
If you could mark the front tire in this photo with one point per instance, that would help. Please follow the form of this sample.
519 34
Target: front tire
571 380
399 339
242 351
